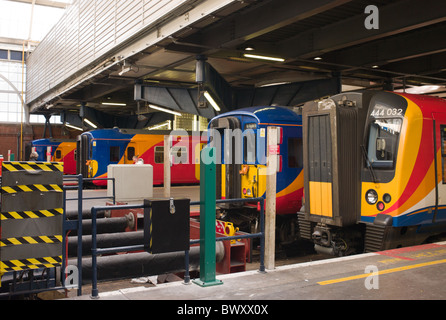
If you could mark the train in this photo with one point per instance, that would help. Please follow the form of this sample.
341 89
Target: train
56 150
240 138
97 149
375 171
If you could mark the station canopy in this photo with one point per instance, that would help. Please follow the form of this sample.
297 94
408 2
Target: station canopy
134 61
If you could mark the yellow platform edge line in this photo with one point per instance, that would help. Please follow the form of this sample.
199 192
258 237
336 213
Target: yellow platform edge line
365 275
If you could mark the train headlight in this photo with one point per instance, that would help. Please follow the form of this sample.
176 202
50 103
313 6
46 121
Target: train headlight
371 196
387 198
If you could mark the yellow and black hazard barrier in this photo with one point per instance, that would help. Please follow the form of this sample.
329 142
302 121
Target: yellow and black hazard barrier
32 188
32 166
30 263
31 215
30 240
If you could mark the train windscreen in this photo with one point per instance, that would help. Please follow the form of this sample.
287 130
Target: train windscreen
383 142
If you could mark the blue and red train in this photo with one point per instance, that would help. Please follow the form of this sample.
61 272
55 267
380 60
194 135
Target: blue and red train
99 148
56 150
242 169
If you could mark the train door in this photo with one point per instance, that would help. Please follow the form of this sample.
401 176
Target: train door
82 155
228 168
440 164
59 153
320 166
249 175
130 152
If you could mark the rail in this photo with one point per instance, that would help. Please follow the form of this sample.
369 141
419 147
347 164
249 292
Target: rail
79 177
95 251
77 224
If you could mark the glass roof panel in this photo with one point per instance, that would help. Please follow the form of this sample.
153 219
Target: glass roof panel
17 16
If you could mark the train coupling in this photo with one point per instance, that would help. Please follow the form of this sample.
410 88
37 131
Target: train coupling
322 236
327 241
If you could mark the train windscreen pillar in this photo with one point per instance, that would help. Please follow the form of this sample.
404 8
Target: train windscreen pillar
31 216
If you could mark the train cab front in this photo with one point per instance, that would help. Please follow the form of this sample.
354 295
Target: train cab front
235 139
361 150
83 155
332 135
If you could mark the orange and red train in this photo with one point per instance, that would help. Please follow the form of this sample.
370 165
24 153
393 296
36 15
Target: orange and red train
375 171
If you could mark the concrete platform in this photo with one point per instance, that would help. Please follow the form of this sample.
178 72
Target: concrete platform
414 273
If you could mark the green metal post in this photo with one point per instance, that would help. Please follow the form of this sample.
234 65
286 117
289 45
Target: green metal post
207 219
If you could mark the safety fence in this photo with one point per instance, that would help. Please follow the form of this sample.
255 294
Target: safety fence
97 251
76 225
70 225
35 275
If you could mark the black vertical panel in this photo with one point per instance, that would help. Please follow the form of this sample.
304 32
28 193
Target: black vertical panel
31 208
167 230
320 148
232 176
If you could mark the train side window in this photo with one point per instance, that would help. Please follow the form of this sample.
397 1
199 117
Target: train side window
443 152
179 154
58 154
130 153
249 146
159 154
114 154
295 153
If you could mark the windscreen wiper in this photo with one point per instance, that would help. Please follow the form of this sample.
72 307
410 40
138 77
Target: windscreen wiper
369 165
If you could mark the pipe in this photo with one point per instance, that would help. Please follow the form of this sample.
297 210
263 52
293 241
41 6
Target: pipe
107 225
141 264
86 214
106 240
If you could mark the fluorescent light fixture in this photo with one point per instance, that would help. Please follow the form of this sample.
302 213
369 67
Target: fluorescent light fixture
90 123
275 84
114 104
73 127
125 70
211 101
256 56
423 89
164 110
167 123
318 58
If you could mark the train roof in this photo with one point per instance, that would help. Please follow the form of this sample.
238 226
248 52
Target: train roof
114 133
51 141
434 104
266 114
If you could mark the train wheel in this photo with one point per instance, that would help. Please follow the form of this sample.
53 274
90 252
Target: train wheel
287 230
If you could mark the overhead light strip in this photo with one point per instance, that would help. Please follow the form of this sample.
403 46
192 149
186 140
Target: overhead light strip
90 123
211 101
73 127
164 110
114 104
161 125
256 56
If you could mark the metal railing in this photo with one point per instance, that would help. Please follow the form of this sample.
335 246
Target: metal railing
69 225
95 251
